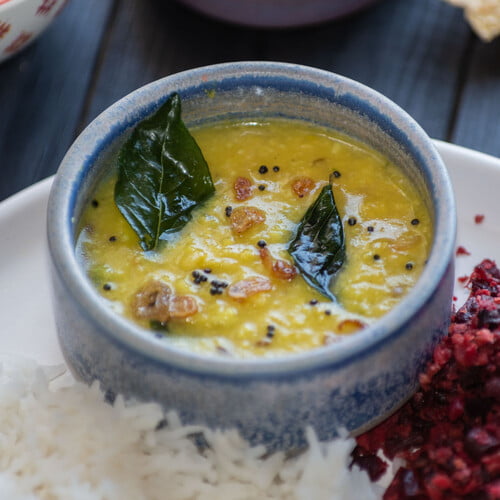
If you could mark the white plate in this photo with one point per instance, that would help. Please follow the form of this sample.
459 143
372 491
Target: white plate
25 303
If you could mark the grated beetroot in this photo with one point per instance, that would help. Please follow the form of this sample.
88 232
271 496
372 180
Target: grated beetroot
448 433
462 251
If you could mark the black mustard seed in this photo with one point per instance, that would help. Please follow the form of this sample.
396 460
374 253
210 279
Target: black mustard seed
229 211
263 169
276 168
336 174
95 203
370 229
409 266
351 221
198 277
262 187
415 222
261 243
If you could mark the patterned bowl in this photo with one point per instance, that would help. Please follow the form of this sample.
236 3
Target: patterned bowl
277 13
352 384
21 21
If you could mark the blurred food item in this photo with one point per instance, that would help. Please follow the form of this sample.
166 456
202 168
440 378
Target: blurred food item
483 16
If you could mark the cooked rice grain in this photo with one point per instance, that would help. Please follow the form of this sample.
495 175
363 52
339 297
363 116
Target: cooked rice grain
60 441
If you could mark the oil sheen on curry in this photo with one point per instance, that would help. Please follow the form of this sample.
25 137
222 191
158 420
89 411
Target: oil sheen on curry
233 278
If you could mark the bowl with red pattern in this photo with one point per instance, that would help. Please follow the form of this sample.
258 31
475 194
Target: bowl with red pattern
21 21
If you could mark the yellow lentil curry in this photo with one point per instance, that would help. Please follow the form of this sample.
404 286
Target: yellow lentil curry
229 282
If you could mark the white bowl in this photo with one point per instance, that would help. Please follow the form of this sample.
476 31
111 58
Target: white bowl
21 21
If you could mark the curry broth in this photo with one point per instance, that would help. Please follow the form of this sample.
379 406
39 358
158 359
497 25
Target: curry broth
387 226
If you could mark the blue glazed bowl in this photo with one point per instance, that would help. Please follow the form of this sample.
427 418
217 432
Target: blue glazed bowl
353 384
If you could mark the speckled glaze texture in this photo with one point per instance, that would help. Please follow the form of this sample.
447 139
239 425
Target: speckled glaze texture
352 384
277 13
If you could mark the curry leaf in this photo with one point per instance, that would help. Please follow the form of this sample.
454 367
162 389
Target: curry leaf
162 175
318 247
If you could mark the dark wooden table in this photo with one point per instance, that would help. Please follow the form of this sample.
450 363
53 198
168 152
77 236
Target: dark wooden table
420 53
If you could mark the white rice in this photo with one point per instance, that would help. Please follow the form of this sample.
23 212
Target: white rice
60 441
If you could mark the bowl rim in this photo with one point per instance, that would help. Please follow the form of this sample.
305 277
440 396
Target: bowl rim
12 4
278 14
98 134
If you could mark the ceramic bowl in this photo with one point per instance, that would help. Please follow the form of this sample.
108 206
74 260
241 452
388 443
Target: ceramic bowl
277 13
352 384
21 21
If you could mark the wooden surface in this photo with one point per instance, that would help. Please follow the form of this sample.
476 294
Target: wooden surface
420 53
